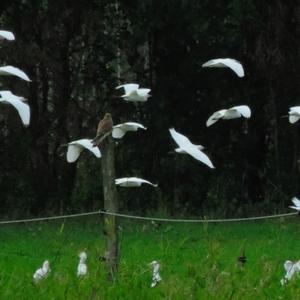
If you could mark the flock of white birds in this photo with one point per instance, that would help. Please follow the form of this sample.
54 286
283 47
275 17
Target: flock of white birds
133 93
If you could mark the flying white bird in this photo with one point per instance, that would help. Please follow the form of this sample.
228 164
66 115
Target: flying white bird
296 202
181 151
82 267
76 147
42 272
233 64
186 146
231 113
6 35
17 102
156 276
120 130
132 182
291 268
294 114
134 93
13 71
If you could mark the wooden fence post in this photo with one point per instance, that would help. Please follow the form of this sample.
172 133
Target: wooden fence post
111 205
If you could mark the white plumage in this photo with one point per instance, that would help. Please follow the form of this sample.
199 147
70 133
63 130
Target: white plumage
42 272
76 147
13 71
291 268
233 64
82 267
120 130
294 114
296 202
132 182
6 35
17 102
231 113
181 151
133 93
156 276
186 146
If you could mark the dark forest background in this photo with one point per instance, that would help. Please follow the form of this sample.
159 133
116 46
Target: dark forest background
77 52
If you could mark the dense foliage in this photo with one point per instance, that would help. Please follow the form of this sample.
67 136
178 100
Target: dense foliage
76 53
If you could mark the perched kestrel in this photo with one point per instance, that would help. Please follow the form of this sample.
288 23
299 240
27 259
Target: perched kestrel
105 126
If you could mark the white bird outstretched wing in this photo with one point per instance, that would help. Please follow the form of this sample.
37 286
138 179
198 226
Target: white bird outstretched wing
233 64
16 101
296 202
75 148
244 110
199 155
10 70
181 140
132 182
215 117
185 144
294 114
6 35
128 88
120 129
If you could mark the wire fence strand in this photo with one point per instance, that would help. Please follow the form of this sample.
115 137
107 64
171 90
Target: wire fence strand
149 218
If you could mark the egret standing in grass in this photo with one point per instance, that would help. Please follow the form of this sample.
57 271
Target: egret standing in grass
76 147
186 146
133 93
156 276
120 130
231 113
291 268
82 267
42 272
17 102
233 64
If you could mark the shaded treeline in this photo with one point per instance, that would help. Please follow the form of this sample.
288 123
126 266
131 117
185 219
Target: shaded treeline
77 52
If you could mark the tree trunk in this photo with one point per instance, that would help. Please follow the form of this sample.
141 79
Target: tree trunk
110 205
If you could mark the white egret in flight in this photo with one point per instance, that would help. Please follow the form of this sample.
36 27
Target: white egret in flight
120 130
13 71
17 102
6 35
233 64
132 182
231 113
76 147
133 93
186 146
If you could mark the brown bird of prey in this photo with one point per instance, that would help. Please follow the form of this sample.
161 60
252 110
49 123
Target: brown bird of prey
105 126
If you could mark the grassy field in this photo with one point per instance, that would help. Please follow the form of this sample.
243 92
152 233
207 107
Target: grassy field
198 261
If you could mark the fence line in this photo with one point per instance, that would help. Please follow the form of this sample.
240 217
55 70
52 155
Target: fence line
50 218
198 220
149 218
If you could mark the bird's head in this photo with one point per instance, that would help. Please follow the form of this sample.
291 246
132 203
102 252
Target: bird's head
107 116
83 255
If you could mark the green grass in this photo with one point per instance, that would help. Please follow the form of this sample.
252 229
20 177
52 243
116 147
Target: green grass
198 261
